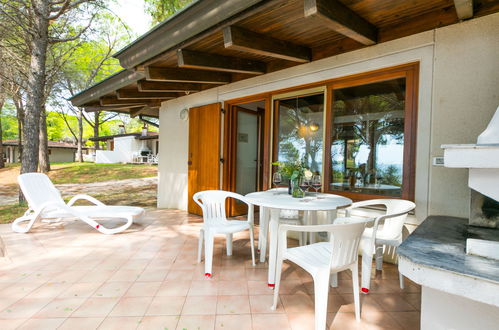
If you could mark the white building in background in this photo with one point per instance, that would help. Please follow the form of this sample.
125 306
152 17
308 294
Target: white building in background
59 152
128 148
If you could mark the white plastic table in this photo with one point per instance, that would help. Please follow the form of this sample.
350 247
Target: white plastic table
271 203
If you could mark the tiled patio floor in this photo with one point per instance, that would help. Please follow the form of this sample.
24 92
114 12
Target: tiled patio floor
72 277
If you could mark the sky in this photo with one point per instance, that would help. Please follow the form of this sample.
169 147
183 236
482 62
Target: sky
132 13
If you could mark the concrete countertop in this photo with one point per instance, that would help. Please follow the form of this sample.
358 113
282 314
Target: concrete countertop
434 255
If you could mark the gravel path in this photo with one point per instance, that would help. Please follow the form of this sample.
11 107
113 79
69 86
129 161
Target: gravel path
95 188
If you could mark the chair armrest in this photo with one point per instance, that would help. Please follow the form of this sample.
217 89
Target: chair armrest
85 197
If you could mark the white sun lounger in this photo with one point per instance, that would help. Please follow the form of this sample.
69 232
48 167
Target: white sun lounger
45 202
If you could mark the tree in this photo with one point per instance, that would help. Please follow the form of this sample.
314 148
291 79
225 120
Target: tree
90 63
43 23
162 9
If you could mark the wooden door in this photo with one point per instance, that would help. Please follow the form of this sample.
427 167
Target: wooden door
204 152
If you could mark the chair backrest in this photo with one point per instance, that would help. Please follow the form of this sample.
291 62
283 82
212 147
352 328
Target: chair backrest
392 227
212 202
38 189
345 239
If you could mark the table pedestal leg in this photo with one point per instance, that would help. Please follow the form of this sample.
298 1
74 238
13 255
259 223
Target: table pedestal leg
264 229
312 220
274 234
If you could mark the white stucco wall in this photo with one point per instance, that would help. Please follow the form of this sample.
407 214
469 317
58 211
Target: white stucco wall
61 155
458 74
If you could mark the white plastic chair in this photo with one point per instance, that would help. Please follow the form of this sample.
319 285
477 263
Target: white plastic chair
45 202
323 259
374 239
212 202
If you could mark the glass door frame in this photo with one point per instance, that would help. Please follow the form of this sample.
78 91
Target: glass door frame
230 141
410 73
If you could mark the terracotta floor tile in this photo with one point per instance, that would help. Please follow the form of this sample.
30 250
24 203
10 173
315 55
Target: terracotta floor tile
143 289
198 322
300 321
49 290
24 308
298 303
95 307
125 275
80 290
239 322
205 287
200 305
48 323
153 275
393 302
233 305
232 288
62 307
11 324
149 278
407 320
120 323
112 289
131 306
173 288
270 321
263 303
259 287
368 304
81 323
342 321
166 305
414 299
175 275
158 322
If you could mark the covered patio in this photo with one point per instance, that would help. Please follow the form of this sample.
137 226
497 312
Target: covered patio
69 277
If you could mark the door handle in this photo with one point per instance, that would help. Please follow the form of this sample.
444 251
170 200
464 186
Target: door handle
189 163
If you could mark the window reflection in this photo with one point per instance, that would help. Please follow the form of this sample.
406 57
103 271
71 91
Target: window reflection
368 138
300 130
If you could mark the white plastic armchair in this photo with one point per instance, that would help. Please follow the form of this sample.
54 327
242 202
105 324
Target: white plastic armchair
386 231
45 202
323 259
212 202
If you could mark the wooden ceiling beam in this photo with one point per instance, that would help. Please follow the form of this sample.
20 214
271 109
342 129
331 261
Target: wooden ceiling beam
113 101
140 111
239 39
342 19
156 86
208 61
186 75
123 94
120 109
464 8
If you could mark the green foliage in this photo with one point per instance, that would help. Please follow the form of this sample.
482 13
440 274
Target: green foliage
9 122
391 176
162 9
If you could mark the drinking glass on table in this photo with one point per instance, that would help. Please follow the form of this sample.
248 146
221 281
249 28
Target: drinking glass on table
304 184
276 179
316 184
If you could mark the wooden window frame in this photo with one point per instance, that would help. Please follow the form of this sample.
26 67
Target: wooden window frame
410 73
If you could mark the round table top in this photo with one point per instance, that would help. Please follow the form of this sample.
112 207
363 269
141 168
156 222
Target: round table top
279 199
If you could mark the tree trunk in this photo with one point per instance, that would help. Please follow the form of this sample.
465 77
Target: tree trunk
2 165
36 86
44 163
79 151
96 129
20 120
